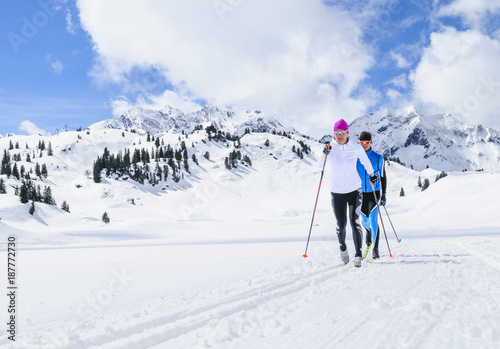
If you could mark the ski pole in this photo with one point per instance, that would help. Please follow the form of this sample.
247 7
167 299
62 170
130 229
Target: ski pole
314 211
380 215
387 213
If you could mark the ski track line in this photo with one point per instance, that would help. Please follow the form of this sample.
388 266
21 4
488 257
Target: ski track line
48 321
418 291
179 323
370 306
450 316
458 318
244 301
442 304
489 261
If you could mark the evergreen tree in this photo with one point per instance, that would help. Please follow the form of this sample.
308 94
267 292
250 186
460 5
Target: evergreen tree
165 172
32 208
97 172
266 143
419 183
402 192
207 155
65 206
105 218
44 171
47 196
441 175
15 171
136 157
8 170
36 193
178 156
28 158
426 184
195 160
247 160
49 151
38 172
3 189
23 194
11 146
5 163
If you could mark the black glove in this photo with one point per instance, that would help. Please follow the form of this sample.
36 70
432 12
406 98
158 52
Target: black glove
382 199
326 149
373 178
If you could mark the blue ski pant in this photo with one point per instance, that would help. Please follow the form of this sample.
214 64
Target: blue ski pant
340 203
369 216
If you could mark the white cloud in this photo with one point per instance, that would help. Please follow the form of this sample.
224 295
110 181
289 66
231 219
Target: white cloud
401 62
168 98
57 67
473 12
400 81
70 26
31 129
55 64
258 54
393 95
459 73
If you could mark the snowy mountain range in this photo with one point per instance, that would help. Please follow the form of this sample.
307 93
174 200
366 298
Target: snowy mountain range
438 141
212 145
174 120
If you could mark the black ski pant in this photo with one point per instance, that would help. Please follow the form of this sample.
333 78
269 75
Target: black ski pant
340 202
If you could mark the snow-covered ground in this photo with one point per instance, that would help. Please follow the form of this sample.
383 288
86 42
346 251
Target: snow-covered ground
219 264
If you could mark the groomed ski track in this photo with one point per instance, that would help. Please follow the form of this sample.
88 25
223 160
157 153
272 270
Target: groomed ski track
436 292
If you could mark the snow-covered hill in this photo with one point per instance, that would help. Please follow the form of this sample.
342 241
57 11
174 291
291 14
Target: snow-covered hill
438 141
155 189
70 175
214 260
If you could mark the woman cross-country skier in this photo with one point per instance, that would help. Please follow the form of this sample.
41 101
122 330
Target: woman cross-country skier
369 210
342 156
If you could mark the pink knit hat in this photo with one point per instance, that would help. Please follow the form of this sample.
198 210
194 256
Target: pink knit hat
341 125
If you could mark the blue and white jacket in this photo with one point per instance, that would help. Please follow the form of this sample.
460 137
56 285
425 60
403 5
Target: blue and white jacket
378 164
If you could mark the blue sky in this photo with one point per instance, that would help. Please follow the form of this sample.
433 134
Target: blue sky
67 63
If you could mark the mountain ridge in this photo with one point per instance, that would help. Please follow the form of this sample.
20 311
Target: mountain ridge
440 141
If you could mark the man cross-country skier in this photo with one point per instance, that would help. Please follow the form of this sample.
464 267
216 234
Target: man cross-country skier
369 210
342 157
